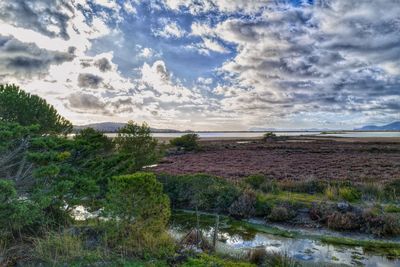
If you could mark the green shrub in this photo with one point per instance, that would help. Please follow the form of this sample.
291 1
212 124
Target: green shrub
280 214
136 148
17 215
244 206
263 206
189 142
138 199
349 194
392 190
255 181
140 212
207 192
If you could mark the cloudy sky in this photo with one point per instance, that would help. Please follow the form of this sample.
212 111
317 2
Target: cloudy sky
208 64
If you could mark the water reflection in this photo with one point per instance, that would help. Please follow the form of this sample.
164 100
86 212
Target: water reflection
236 239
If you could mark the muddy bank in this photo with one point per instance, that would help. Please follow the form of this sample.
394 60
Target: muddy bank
296 158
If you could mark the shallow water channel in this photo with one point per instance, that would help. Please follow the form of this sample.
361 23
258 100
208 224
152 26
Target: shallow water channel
237 238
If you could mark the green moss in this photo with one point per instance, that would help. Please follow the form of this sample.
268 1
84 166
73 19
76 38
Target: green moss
212 261
270 230
294 198
367 244
392 208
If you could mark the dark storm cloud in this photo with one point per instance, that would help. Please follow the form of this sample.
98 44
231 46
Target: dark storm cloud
84 101
38 15
88 80
103 64
18 58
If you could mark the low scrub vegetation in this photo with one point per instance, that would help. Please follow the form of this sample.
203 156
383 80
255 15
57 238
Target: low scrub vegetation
281 214
349 218
188 142
244 206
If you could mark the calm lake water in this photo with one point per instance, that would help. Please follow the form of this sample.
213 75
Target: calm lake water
237 238
259 134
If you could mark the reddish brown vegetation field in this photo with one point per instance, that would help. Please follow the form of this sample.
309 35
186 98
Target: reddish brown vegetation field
292 159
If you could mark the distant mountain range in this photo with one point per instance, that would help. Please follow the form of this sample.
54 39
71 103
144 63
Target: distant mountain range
394 126
112 127
261 129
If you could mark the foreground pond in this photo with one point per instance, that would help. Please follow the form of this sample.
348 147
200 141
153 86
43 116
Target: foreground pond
237 238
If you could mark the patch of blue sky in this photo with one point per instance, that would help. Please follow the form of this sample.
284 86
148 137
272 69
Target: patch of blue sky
181 54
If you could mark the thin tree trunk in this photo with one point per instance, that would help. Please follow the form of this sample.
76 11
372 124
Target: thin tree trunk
215 237
197 226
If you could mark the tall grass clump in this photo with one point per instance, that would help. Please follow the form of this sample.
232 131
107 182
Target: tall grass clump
349 194
331 193
255 181
392 190
281 260
372 191
57 248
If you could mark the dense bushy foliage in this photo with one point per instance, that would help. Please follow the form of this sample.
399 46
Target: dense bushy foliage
136 148
138 199
380 224
244 206
26 109
202 191
255 181
43 175
15 141
263 206
139 212
392 190
18 216
343 221
189 142
280 214
371 220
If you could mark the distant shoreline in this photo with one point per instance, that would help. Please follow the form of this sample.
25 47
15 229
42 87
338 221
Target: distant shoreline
267 131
